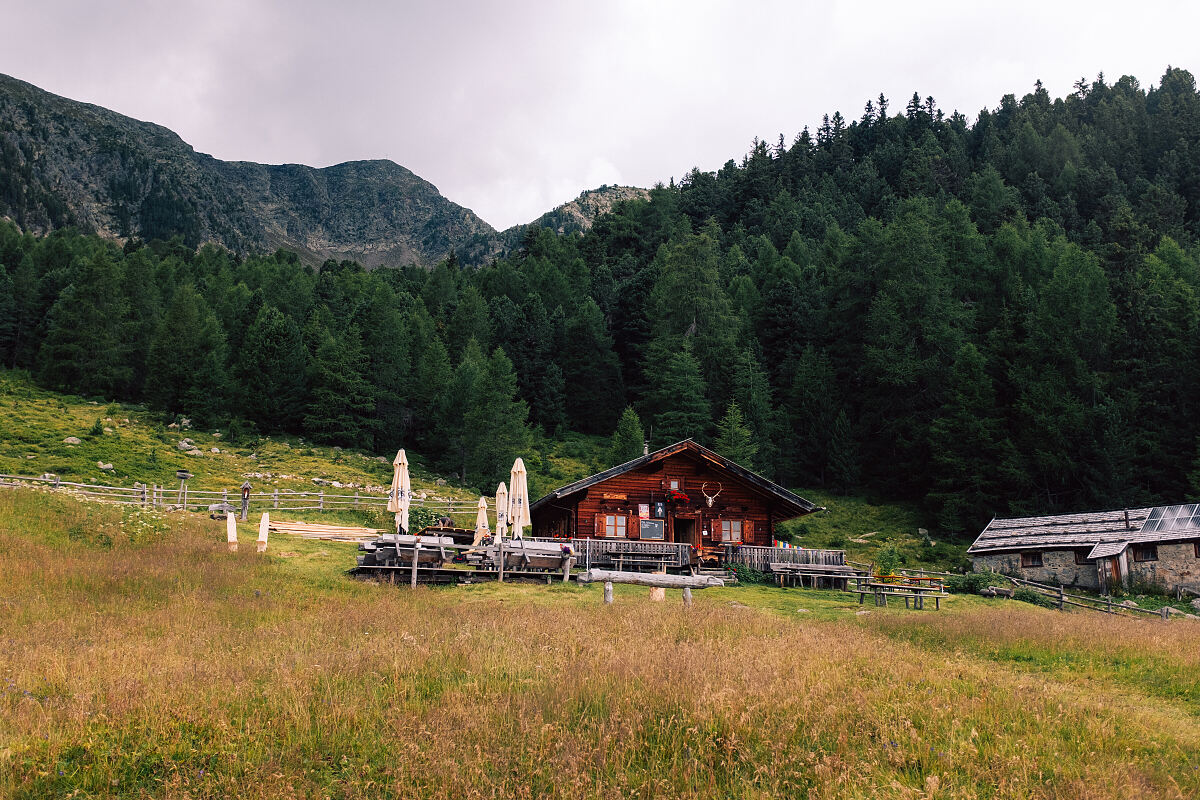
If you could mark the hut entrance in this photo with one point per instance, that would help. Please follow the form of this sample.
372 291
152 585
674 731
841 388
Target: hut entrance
686 531
1114 572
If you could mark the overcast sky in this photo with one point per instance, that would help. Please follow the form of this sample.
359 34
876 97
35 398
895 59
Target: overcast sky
513 107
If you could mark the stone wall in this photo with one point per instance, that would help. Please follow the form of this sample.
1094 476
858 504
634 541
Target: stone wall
1176 566
1058 566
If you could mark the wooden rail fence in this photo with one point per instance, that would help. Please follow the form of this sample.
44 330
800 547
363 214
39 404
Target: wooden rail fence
161 496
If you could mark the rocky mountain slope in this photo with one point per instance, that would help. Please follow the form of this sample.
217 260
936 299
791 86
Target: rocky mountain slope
68 163
577 216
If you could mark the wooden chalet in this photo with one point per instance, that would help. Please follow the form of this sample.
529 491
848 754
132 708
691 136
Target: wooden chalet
684 494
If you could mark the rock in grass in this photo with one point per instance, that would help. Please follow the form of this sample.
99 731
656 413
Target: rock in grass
103 466
1129 604
72 440
1196 604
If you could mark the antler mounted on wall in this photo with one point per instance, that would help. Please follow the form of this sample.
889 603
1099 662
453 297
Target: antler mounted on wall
710 498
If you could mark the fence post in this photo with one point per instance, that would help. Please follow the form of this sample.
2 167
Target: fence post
57 481
277 498
1060 598
1164 612
415 554
321 500
356 501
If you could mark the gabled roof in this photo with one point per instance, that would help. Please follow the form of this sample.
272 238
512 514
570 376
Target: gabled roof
791 502
1060 531
1107 550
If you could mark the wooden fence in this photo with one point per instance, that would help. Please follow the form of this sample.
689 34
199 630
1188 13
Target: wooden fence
761 558
610 551
1105 604
156 496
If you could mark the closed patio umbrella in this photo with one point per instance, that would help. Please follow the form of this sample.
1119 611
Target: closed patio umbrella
501 511
401 492
518 498
481 521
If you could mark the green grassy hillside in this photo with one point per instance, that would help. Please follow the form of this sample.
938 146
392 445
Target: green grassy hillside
141 446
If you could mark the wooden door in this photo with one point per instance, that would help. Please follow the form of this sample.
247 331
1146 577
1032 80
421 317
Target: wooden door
686 531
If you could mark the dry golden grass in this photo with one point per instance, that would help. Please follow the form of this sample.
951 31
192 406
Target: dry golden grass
171 668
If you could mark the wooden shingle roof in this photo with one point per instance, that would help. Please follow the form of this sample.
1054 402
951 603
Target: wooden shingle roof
1063 531
790 503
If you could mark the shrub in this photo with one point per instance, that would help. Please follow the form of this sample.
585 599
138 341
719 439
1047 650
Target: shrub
97 428
241 431
1026 595
972 582
748 574
888 560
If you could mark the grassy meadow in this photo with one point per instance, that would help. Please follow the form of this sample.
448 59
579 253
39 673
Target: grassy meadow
138 658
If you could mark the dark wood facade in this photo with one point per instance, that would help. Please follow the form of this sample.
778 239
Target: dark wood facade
661 497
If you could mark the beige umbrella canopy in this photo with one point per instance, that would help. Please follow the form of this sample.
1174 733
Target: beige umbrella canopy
481 525
400 494
501 511
481 518
518 498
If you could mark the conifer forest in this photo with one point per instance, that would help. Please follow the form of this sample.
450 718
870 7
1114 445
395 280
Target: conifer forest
995 317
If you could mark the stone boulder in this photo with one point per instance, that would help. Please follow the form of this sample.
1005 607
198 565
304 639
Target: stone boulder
1196 604
103 466
72 440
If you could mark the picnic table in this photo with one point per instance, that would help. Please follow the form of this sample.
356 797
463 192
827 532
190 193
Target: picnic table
912 591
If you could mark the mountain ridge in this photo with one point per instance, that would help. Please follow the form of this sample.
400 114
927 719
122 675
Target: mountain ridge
65 162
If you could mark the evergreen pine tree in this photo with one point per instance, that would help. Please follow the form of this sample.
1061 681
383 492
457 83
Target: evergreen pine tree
185 359
341 407
677 394
495 424
735 440
86 345
269 372
590 367
548 406
628 440
844 466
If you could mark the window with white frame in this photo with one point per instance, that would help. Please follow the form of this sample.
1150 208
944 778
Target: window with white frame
614 525
731 530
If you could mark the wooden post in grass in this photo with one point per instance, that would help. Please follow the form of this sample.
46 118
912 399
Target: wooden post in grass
276 498
1166 614
1060 598
500 552
687 597
321 500
608 593
412 580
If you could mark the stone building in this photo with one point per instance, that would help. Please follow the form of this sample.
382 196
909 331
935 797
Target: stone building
1098 550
